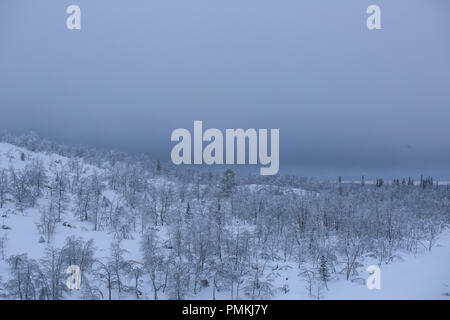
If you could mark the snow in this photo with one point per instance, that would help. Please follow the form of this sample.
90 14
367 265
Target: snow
425 276
276 189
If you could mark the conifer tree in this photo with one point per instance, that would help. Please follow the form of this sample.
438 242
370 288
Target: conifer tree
323 270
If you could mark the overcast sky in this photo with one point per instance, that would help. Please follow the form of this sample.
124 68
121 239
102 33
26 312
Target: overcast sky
346 100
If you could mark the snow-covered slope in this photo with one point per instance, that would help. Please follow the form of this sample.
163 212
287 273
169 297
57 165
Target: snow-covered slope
257 188
15 157
425 276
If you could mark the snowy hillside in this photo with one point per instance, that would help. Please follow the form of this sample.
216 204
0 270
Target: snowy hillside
138 232
264 188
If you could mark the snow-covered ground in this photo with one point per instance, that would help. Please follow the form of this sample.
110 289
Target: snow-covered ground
424 276
278 190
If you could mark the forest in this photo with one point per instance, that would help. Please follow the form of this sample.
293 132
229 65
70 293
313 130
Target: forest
174 232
